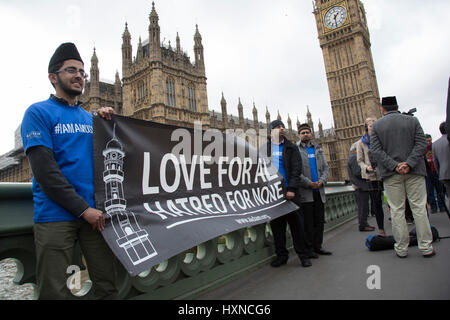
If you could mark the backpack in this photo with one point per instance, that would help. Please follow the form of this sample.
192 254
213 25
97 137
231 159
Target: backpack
413 236
377 243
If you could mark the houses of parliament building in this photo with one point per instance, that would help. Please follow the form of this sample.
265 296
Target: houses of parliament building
160 83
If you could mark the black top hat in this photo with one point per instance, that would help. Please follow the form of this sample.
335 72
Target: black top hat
65 51
276 123
389 102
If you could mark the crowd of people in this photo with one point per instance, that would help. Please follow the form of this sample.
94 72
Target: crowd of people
392 156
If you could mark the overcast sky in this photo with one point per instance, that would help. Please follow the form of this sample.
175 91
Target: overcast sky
265 52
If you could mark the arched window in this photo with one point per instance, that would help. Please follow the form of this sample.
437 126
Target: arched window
170 92
191 98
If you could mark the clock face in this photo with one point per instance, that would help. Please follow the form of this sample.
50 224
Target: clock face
335 17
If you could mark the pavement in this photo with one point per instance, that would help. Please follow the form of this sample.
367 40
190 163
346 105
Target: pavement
352 272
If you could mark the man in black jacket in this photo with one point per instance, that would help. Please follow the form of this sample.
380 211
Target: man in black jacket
286 159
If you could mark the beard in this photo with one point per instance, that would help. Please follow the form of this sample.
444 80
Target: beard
306 140
66 88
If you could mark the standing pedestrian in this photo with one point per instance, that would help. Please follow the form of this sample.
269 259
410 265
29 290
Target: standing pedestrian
361 189
398 144
61 159
312 192
434 187
370 172
286 159
441 157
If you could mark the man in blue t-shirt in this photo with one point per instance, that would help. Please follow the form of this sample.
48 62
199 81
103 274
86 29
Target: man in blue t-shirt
286 159
312 192
57 138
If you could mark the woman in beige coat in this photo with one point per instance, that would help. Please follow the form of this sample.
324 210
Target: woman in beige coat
370 173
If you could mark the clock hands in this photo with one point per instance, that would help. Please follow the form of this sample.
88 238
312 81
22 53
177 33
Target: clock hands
335 16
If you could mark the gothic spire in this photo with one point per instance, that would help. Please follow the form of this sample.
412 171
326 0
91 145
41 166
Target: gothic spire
198 50
178 44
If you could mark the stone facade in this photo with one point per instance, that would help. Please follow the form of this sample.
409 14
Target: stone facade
160 83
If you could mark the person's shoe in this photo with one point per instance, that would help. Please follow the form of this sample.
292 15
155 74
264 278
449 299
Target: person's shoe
433 253
366 228
279 261
381 233
305 262
323 252
313 255
402 257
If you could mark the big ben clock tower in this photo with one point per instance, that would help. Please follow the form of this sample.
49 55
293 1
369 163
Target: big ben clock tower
345 42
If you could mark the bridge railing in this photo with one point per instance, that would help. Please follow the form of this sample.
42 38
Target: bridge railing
184 276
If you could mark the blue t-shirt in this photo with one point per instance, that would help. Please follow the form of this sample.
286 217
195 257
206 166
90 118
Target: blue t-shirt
312 163
67 131
277 160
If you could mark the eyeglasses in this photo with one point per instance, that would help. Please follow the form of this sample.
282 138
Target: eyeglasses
73 70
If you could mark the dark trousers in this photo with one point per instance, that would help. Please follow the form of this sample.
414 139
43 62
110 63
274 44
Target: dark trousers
377 207
296 225
432 181
362 199
55 244
314 214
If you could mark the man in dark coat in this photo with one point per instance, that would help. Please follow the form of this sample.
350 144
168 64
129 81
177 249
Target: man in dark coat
441 156
286 159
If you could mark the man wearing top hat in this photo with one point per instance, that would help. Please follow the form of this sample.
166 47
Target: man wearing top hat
398 144
57 138
286 159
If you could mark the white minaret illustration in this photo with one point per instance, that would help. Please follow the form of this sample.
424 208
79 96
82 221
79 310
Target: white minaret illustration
130 236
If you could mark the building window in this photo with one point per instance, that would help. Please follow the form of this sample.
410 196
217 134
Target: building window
141 91
170 92
332 150
335 173
191 98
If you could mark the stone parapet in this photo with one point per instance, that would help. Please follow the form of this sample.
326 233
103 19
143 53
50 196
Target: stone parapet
184 276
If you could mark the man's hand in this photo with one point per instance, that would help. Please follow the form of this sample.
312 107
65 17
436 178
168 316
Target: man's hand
95 218
369 169
290 195
316 185
403 168
106 112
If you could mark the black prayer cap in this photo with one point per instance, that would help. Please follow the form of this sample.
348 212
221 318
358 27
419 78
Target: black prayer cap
389 102
304 126
65 51
276 123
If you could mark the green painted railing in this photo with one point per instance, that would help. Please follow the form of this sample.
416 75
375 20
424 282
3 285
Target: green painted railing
184 276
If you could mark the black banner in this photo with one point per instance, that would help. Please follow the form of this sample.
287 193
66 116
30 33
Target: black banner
166 189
